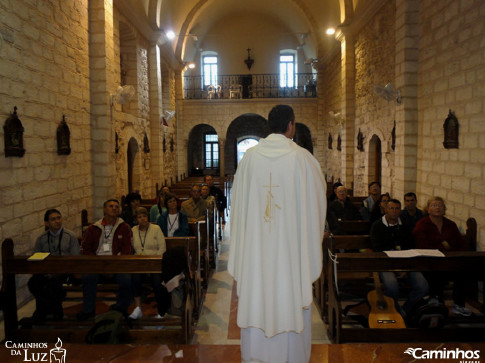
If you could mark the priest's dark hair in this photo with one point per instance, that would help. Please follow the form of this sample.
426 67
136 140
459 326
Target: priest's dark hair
279 117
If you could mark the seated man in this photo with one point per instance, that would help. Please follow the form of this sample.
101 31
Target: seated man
368 204
209 199
47 289
195 207
108 236
387 234
218 194
341 209
410 214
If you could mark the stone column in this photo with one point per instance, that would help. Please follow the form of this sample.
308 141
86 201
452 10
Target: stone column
348 106
102 84
155 98
406 71
222 164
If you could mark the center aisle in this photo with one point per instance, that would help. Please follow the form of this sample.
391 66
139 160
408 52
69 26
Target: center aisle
214 326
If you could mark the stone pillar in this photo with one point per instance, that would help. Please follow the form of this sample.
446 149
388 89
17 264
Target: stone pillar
222 164
155 98
102 59
182 138
406 71
348 106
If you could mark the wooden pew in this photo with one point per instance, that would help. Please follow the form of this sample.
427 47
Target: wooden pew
354 227
334 243
71 330
471 328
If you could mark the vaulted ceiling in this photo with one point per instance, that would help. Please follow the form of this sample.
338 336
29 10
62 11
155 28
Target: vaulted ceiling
194 21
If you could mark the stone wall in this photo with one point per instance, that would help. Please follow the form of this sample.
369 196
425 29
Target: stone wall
44 71
374 65
332 95
221 113
451 76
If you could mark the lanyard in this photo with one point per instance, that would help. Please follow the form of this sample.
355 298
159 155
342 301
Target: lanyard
143 241
49 241
109 234
170 225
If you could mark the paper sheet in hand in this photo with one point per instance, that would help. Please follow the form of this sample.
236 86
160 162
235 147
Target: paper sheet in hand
415 253
38 256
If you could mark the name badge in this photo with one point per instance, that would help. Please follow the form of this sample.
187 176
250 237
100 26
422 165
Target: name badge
105 247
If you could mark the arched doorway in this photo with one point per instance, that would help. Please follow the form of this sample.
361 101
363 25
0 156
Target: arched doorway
133 171
242 127
303 137
375 159
203 151
245 143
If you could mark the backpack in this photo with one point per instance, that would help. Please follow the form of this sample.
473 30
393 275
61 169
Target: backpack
107 328
430 314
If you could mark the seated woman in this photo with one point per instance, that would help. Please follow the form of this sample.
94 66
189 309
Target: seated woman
158 208
132 202
173 222
148 239
333 195
379 208
435 231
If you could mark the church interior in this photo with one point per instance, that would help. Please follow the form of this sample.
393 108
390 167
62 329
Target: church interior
100 98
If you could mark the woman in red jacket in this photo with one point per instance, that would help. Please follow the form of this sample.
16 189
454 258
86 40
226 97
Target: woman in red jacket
435 231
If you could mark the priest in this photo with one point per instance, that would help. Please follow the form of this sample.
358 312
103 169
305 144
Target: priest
277 221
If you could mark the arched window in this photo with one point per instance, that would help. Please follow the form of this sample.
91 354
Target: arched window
288 68
209 68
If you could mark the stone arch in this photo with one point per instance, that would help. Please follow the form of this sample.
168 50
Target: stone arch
245 125
195 149
134 165
303 137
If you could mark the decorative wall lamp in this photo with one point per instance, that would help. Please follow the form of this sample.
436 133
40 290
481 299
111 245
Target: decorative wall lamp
14 135
249 61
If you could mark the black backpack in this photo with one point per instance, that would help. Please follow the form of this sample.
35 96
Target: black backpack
429 314
107 329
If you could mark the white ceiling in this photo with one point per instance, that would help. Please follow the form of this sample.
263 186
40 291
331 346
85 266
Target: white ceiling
199 17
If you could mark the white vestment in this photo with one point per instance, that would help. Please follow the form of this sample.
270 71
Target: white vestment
278 210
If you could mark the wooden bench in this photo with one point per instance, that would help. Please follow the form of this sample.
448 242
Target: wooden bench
353 227
69 329
335 243
456 328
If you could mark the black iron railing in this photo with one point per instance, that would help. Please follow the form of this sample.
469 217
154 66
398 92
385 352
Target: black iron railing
250 86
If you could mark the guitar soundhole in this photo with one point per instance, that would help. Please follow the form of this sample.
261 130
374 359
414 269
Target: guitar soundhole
386 321
382 305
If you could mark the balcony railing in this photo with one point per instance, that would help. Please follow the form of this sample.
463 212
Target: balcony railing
250 86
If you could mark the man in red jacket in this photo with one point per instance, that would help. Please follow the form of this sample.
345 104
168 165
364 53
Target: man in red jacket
108 236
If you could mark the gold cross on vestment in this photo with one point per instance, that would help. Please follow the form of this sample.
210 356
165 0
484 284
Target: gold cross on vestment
269 211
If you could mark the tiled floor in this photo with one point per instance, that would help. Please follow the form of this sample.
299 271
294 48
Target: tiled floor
217 324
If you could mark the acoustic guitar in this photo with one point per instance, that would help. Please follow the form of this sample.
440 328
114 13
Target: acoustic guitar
383 314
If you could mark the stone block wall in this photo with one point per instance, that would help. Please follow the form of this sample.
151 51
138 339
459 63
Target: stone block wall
44 71
220 113
332 95
374 64
451 76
